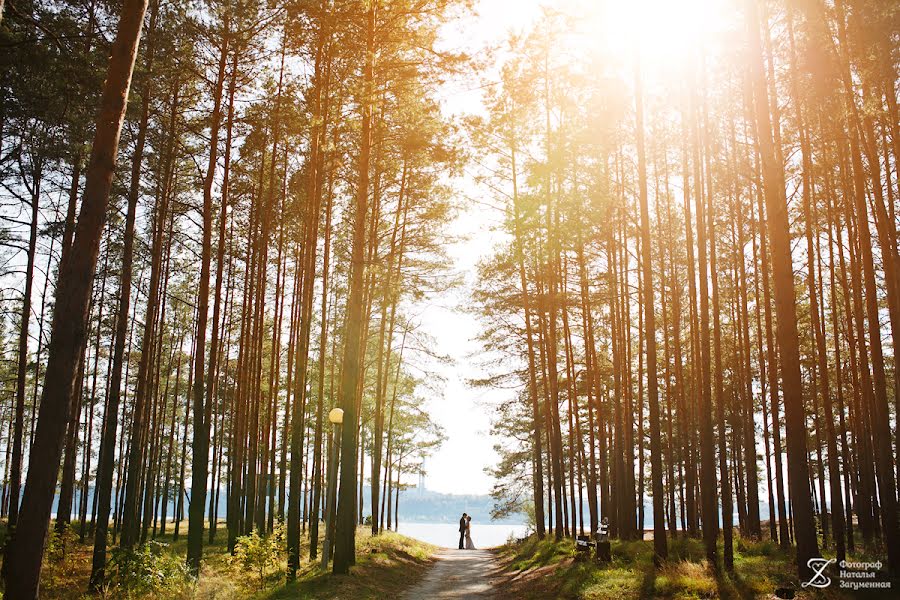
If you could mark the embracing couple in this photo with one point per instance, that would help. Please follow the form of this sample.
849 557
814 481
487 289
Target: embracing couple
465 533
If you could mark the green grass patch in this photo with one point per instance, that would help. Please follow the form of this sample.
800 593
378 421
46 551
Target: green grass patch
546 568
386 565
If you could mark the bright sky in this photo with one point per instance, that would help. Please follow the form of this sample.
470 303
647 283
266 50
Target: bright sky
463 411
458 466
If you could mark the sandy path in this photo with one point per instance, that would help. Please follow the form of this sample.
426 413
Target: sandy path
456 574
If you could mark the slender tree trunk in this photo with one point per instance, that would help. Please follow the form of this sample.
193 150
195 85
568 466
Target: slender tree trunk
214 351
718 379
179 504
15 471
693 516
345 535
660 548
202 404
785 308
70 314
537 466
708 495
130 517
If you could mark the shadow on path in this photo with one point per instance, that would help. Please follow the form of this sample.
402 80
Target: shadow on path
456 574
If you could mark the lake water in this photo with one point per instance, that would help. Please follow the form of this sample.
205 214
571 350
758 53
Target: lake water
446 535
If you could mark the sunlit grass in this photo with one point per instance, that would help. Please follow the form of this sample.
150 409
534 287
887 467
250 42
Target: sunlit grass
386 565
547 568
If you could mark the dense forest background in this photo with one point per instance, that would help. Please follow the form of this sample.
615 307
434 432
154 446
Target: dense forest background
215 312
217 219
699 284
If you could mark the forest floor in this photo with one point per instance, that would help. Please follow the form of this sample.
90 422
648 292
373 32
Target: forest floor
538 569
386 566
395 566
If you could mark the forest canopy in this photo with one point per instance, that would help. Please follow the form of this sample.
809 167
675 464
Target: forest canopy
219 219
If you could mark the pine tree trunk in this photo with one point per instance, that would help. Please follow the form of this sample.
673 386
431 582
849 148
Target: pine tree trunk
345 534
536 450
68 333
660 548
15 470
718 379
708 492
785 309
202 402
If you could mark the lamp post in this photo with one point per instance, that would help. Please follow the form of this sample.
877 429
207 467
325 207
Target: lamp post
336 417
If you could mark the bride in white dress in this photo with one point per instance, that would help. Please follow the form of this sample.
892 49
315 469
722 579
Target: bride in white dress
469 544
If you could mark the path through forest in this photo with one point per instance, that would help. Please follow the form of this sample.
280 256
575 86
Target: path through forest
456 574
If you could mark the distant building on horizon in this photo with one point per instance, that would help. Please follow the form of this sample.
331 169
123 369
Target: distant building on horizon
421 487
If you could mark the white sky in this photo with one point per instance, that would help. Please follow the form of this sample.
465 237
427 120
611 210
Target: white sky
458 466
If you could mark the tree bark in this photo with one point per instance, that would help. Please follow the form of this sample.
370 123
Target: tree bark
660 548
785 308
70 314
345 534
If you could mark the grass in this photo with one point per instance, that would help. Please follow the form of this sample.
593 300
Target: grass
529 569
534 569
385 566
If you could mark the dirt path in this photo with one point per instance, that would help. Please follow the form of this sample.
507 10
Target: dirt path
456 574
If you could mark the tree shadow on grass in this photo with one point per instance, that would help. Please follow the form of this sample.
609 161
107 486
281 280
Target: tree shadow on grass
648 583
686 548
732 585
539 553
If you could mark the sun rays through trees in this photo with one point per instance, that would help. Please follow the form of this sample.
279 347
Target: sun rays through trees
686 291
221 220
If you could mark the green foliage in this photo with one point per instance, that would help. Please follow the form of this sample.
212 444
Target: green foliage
260 555
530 517
149 570
533 552
386 565
59 551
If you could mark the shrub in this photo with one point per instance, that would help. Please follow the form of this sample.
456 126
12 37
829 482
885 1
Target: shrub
149 570
259 554
59 545
530 518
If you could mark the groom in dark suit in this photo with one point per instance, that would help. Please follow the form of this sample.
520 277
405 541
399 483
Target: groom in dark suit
462 530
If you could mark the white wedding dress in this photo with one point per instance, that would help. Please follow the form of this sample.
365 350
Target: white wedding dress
469 544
